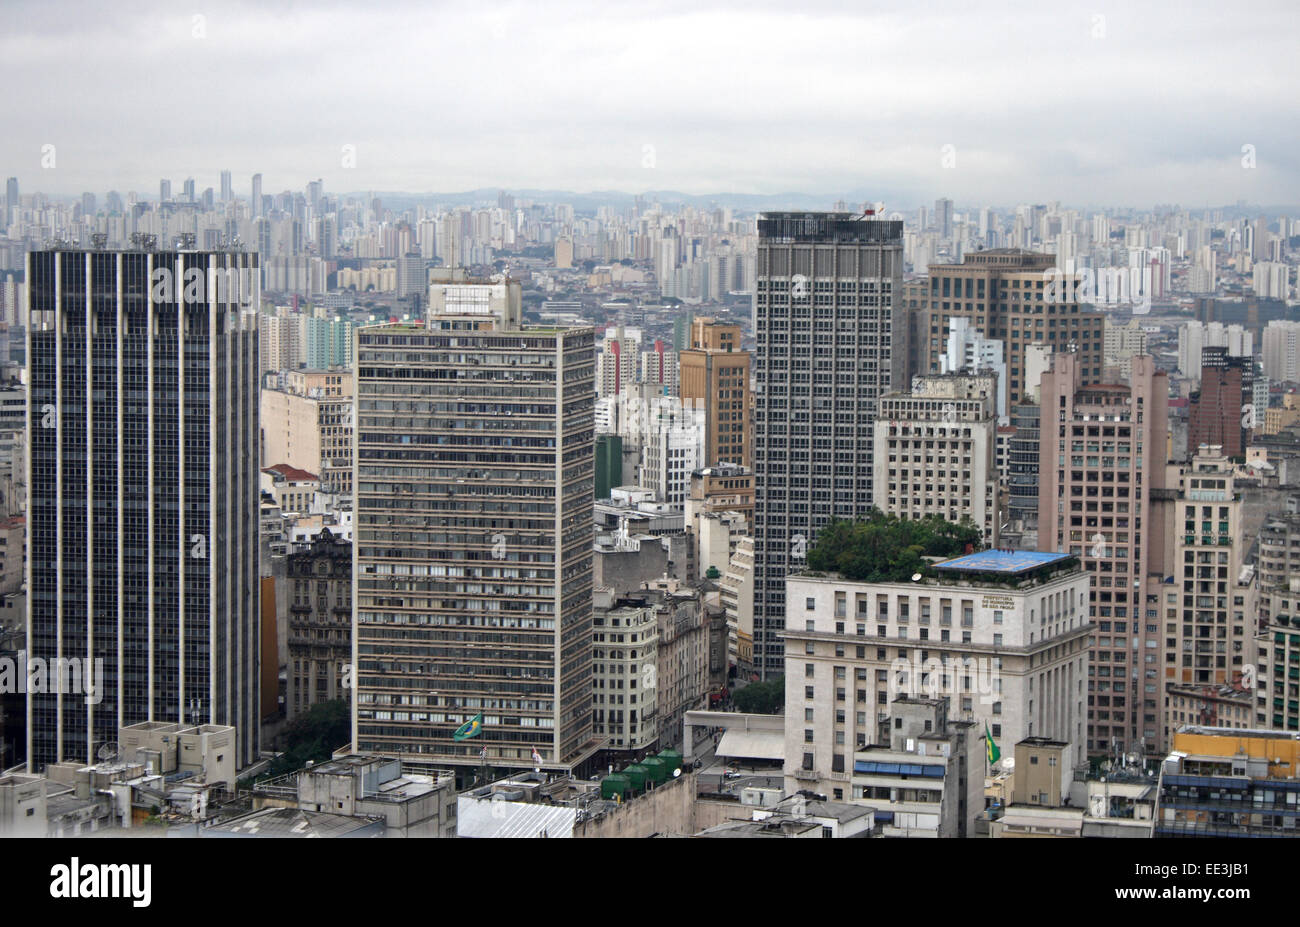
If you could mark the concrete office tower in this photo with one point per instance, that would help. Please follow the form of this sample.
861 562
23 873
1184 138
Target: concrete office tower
1002 292
832 280
1002 637
1022 474
715 375
943 218
474 493
1282 351
1211 613
257 196
412 277
1220 411
1103 461
934 452
143 512
227 188
11 201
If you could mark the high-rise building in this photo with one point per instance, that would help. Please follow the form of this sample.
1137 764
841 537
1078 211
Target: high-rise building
1210 615
1122 342
943 218
227 188
412 276
1022 473
1005 293
659 369
1272 279
1194 337
257 196
934 452
1102 453
672 448
1219 412
830 341
474 520
1277 673
1281 352
617 363
143 482
715 375
11 201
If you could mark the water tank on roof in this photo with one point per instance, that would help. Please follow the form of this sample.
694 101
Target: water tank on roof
657 769
637 775
615 786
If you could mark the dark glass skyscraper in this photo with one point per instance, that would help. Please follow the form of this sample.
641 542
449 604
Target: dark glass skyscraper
143 482
831 340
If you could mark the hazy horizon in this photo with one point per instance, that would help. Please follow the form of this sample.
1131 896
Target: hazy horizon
905 103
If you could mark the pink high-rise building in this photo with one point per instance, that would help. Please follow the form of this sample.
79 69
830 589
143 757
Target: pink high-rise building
1102 467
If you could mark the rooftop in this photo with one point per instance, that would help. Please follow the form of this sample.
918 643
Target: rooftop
291 473
291 822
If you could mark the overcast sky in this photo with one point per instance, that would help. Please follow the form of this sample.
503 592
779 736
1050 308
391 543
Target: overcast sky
1038 101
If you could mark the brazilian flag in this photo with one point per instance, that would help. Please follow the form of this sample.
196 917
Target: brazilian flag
994 753
470 728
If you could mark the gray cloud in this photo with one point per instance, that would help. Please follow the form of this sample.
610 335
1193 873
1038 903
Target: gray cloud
1153 104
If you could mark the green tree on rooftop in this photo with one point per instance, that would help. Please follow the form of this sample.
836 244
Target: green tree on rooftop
885 548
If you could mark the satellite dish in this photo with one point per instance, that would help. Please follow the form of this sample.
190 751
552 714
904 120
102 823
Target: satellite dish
108 753
916 577
676 773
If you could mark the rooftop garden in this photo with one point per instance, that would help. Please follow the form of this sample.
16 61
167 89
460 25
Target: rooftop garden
885 548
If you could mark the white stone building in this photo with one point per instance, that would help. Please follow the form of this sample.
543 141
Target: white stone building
1002 636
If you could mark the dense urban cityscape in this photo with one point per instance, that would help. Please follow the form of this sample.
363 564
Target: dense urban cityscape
529 512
